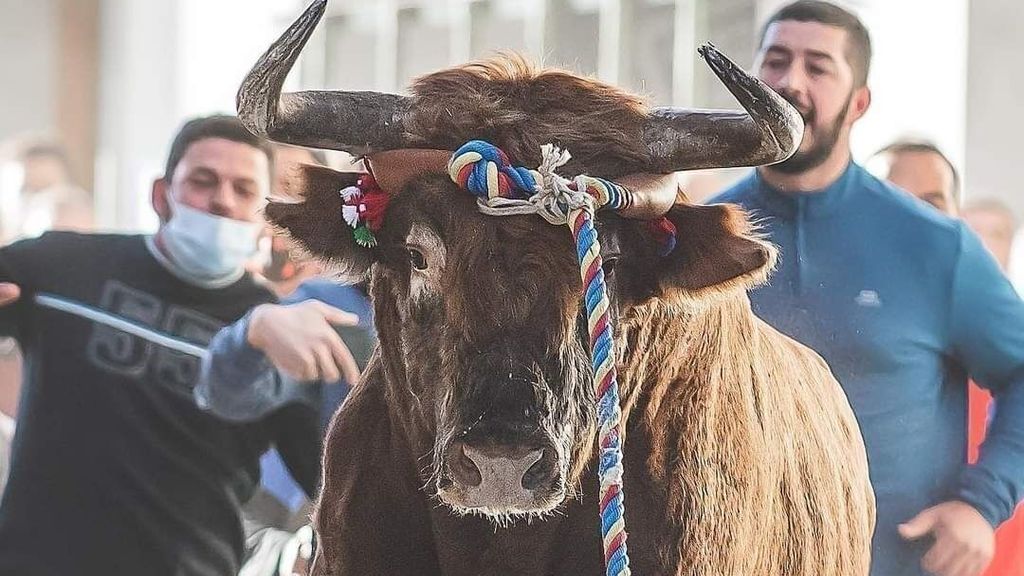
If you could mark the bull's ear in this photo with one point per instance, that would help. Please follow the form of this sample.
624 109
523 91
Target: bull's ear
315 223
716 252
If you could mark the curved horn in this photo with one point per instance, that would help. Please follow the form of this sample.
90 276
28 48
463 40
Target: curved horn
768 132
356 122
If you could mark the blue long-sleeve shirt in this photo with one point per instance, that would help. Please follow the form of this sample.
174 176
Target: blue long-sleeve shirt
238 382
903 303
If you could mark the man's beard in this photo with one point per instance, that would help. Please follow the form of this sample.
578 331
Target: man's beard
824 142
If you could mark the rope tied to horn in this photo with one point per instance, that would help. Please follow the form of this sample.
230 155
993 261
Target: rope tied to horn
503 189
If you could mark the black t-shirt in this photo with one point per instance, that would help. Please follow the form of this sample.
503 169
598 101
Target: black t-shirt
115 470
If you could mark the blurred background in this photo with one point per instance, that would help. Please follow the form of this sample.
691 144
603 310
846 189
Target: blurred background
107 82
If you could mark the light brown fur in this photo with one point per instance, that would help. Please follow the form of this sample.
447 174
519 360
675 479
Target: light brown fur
752 438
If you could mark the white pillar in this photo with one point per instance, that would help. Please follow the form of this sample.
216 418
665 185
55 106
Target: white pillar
138 100
995 110
609 48
28 52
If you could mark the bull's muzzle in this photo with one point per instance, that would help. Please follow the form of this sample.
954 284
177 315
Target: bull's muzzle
501 479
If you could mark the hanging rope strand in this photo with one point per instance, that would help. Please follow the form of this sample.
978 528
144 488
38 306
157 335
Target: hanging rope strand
606 389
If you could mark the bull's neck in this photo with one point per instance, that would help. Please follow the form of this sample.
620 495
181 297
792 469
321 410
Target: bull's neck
678 366
666 350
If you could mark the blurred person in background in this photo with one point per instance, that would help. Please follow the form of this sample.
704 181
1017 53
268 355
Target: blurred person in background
115 468
48 199
902 302
996 225
302 350
994 222
922 169
274 263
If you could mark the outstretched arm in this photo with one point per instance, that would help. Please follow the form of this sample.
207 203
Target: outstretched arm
259 363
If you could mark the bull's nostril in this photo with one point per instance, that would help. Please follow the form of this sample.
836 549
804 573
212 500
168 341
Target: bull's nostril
463 469
537 474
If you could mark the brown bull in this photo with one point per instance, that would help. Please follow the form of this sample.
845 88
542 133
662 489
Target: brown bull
469 447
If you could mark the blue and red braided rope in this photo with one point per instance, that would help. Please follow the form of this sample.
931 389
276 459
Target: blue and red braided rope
485 171
602 347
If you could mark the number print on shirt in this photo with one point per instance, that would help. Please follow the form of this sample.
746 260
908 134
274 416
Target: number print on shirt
134 356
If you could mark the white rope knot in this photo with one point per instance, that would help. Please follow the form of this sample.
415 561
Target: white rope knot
554 198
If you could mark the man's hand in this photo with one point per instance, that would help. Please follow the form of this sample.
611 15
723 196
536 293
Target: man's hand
300 340
9 293
964 540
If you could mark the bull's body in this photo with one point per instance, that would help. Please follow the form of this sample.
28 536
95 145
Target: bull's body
742 457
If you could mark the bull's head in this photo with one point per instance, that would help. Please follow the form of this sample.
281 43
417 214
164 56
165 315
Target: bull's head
483 336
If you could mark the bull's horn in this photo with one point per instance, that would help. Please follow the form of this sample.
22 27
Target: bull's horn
356 122
653 194
770 131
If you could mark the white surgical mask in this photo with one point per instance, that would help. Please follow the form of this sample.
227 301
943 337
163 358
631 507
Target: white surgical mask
207 247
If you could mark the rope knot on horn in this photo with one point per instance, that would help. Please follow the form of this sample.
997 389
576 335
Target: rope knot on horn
501 189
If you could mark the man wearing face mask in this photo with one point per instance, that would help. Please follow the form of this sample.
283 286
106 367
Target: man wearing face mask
116 470
902 301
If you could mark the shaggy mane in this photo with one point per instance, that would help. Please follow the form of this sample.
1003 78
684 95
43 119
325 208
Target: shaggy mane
519 106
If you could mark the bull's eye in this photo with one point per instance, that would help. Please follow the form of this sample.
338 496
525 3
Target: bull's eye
608 264
416 259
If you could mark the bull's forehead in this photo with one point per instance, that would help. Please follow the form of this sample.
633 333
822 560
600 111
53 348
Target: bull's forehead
509 271
506 242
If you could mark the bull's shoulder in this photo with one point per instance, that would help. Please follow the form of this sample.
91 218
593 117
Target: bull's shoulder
789 357
354 449
358 445
821 468
797 381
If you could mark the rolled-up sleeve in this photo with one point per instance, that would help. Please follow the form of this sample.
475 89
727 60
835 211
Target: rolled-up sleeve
239 383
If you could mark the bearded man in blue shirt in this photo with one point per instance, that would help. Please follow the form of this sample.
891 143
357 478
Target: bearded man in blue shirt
903 302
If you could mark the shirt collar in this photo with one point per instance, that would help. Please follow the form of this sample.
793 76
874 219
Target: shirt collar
813 204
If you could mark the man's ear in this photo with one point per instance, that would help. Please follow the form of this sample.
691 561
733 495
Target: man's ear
860 101
316 224
158 197
716 251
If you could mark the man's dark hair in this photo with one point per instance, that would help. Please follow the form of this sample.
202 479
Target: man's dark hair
858 41
923 147
221 126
